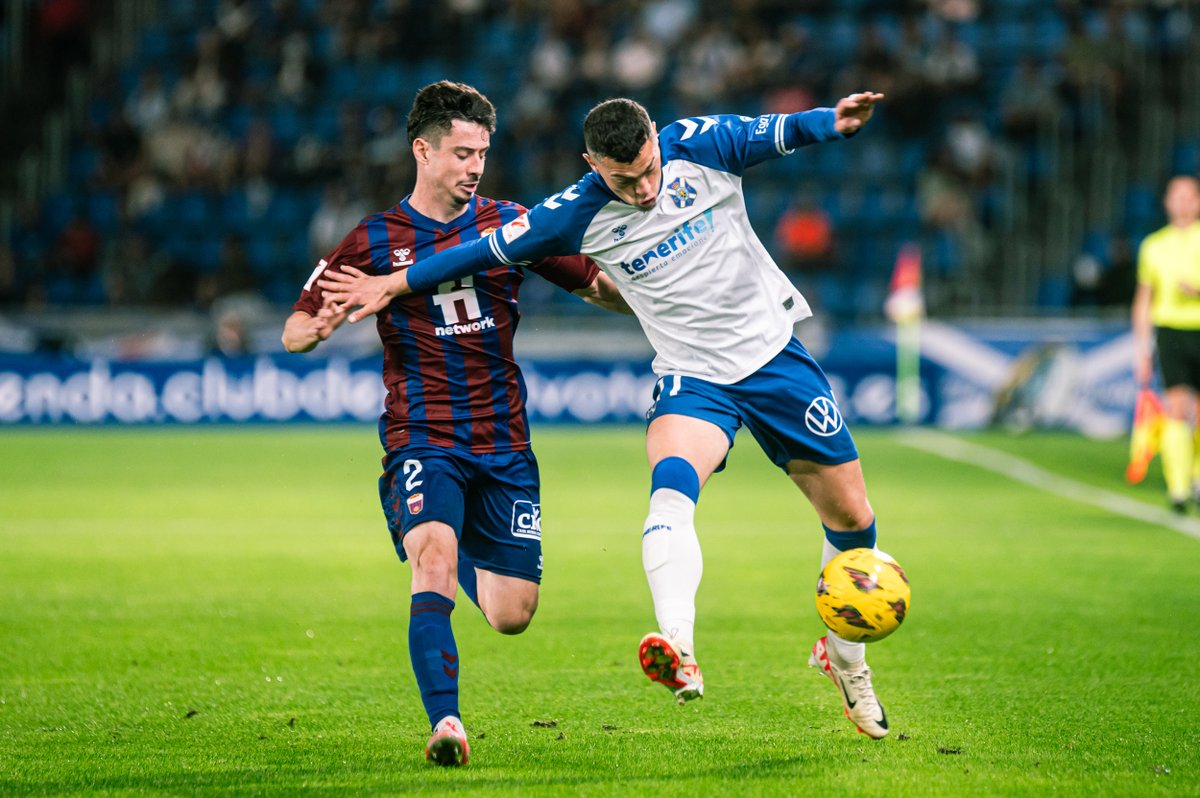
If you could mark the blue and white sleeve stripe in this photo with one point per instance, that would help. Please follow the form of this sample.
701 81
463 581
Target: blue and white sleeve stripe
780 145
494 246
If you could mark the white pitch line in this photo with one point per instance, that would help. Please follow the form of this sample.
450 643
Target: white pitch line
951 448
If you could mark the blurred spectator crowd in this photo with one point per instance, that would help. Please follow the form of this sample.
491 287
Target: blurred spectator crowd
247 136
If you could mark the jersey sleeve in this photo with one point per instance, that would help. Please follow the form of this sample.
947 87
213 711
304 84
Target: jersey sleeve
568 272
530 237
733 143
352 251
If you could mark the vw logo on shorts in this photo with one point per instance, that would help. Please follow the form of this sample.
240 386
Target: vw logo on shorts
822 417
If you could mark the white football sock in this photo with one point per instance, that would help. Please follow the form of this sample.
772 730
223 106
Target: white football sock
673 563
844 653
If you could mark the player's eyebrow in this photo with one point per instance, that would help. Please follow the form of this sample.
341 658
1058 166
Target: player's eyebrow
643 173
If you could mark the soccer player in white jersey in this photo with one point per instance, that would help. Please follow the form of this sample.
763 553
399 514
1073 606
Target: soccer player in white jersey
663 214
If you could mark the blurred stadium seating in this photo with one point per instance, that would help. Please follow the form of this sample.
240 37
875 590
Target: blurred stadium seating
1018 135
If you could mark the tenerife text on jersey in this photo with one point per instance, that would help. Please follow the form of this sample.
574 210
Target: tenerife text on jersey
681 241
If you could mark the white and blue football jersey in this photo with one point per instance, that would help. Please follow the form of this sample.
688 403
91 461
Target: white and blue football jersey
709 297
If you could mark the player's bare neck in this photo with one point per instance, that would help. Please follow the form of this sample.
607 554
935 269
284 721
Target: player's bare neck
436 205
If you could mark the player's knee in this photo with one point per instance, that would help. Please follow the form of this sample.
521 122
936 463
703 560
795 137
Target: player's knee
435 564
511 618
511 622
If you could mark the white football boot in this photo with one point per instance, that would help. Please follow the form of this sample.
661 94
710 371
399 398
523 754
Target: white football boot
663 661
448 745
858 696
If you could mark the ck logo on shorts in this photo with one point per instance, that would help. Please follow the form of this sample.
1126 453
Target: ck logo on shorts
822 417
527 520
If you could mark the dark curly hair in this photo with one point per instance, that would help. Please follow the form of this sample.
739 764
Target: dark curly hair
436 106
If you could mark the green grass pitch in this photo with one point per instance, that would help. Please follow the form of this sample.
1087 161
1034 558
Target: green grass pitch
220 612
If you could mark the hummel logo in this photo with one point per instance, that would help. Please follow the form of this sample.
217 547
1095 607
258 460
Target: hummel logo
402 258
452 659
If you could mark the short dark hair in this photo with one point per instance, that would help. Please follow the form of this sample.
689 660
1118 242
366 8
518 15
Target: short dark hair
616 129
436 106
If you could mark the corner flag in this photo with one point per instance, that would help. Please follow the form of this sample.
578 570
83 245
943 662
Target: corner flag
905 306
904 301
1146 436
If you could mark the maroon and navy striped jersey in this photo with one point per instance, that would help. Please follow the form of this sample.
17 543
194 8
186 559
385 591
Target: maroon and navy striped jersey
448 364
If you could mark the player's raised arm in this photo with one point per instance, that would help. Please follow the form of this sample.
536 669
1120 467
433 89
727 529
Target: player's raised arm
370 294
352 288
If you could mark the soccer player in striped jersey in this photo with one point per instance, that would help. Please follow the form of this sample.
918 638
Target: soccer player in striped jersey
663 214
460 482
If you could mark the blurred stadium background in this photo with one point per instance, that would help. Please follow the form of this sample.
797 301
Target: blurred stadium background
173 168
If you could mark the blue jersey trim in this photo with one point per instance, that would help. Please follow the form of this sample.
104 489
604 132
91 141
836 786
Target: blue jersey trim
422 222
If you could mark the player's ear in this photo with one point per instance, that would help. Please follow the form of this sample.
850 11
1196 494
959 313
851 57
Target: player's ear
420 149
590 162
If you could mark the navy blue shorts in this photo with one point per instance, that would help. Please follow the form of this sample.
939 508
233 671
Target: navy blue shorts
491 501
787 405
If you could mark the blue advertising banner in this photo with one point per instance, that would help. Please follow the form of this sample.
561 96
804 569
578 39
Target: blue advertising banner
1063 375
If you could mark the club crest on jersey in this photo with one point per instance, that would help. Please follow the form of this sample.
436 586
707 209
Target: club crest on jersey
527 520
681 193
822 417
416 503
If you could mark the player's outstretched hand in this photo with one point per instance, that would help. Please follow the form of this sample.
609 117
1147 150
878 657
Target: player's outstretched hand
853 112
352 288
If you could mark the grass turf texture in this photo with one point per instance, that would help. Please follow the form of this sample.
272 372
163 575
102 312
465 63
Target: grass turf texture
198 611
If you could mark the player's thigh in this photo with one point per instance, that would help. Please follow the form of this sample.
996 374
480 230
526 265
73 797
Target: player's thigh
502 519
421 485
693 419
837 492
789 408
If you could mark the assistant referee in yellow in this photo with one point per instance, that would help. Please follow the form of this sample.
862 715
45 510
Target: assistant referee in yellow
1166 313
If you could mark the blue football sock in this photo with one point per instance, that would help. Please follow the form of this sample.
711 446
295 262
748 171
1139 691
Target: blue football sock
434 654
851 539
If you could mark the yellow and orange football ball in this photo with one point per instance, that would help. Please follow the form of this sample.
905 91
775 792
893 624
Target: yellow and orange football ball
863 595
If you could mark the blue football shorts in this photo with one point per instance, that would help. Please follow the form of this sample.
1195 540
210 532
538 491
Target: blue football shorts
491 501
787 405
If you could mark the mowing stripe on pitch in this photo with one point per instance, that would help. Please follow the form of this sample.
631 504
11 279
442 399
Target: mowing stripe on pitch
951 448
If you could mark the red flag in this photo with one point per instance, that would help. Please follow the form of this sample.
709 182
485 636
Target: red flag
1146 435
904 301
